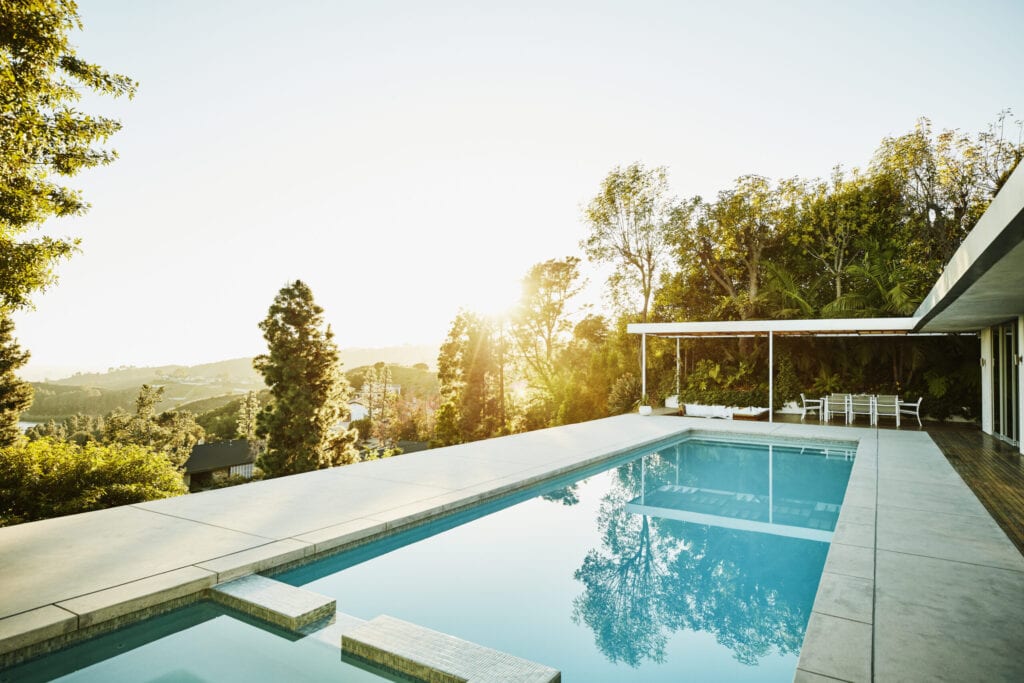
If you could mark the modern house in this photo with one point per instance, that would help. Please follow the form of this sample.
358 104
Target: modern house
981 290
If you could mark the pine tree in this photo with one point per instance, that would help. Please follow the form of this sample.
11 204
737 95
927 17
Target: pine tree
309 394
15 393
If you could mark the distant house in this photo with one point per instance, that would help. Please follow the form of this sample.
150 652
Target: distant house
212 462
358 410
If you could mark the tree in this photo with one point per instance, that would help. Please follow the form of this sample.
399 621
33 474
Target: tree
15 394
628 222
50 478
469 372
730 238
173 433
309 394
382 408
248 414
42 136
541 329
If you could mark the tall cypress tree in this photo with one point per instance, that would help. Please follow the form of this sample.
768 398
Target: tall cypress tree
15 394
309 392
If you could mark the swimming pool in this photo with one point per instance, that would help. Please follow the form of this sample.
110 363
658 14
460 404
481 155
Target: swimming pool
699 561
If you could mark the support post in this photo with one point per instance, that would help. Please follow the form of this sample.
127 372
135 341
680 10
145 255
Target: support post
771 376
677 367
643 365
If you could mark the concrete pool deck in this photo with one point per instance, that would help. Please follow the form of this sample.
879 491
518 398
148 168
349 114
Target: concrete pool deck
920 582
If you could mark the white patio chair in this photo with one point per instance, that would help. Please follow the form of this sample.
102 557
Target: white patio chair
810 405
887 405
839 404
911 408
862 404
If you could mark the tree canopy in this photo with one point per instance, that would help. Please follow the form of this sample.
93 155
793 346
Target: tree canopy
309 393
44 137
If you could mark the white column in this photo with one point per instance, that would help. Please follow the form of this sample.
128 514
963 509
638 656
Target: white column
677 366
986 380
643 365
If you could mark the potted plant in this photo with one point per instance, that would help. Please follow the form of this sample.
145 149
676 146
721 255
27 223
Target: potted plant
645 405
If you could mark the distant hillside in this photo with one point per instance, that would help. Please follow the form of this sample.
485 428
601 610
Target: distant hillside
206 386
237 372
407 355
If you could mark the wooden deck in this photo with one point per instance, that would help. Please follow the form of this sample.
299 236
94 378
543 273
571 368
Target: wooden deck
993 469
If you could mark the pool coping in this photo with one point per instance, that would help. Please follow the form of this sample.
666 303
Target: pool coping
842 639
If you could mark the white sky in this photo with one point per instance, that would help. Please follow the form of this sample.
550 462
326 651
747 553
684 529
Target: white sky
409 158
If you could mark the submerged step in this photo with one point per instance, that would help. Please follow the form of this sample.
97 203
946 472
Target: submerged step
438 657
273 601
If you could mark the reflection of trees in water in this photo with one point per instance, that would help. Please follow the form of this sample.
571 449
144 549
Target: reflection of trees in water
622 601
567 495
654 576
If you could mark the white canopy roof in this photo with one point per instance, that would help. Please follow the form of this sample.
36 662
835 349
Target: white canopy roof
838 327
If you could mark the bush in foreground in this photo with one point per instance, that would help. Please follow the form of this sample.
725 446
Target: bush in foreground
48 478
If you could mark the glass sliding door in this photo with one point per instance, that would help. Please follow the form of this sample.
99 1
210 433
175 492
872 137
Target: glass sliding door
1006 382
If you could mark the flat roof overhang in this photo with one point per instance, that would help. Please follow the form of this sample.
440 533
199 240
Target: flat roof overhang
982 284
831 327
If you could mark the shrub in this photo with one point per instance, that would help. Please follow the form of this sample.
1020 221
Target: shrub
47 478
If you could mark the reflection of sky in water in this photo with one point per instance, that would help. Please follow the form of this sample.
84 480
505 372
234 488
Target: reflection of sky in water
577 579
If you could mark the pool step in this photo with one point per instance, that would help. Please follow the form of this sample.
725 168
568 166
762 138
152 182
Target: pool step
280 604
438 657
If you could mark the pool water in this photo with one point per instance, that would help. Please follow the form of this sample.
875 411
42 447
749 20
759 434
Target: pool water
698 561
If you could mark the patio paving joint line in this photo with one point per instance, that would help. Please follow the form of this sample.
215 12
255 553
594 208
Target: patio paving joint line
946 559
269 539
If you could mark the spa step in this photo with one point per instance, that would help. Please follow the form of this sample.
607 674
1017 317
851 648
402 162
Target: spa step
273 601
434 656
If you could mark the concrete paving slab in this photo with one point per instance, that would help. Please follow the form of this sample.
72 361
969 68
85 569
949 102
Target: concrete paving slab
278 603
45 562
851 560
837 648
446 472
290 506
118 601
342 534
964 538
433 656
30 627
847 597
857 514
939 620
848 533
952 497
258 559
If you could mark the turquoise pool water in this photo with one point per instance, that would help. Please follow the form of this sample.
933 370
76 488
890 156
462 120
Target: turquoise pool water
699 561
